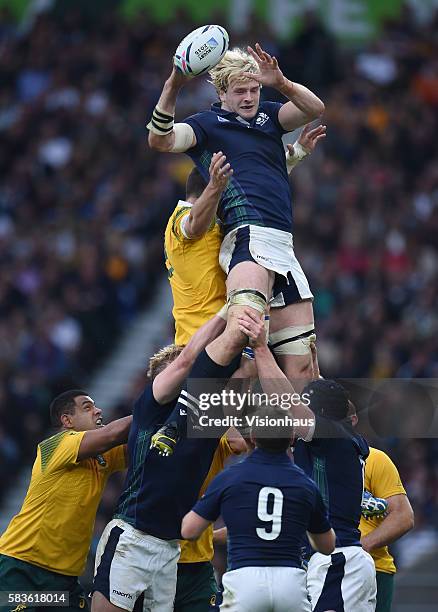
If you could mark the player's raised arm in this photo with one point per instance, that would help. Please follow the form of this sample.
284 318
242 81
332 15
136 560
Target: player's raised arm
203 211
164 135
304 145
272 379
168 384
303 106
98 441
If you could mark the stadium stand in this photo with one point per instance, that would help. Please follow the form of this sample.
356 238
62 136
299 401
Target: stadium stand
83 204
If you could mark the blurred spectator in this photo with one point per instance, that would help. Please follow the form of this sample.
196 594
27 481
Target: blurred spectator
82 206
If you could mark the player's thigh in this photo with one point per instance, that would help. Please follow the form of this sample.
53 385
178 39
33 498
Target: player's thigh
99 603
248 286
249 275
300 313
385 591
196 589
247 589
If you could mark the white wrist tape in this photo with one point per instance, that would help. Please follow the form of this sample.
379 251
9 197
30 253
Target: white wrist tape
161 122
299 154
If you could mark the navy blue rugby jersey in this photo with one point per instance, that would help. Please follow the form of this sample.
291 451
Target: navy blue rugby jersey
267 504
159 491
258 193
335 460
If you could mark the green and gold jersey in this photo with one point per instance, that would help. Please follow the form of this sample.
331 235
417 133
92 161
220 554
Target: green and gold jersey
196 279
54 527
381 480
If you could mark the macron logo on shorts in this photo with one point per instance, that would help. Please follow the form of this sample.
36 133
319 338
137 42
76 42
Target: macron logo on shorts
116 592
263 258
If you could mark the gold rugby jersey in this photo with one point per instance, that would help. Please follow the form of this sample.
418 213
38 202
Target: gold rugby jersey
381 480
196 279
54 527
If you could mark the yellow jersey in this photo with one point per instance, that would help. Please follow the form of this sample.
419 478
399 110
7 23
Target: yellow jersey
54 527
202 548
381 480
196 279
199 292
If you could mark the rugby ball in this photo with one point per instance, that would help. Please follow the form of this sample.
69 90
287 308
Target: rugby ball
201 50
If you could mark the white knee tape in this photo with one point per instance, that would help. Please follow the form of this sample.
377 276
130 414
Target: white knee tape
247 297
293 340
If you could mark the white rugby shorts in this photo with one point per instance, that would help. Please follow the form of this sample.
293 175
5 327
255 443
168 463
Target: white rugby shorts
344 580
258 589
130 563
272 249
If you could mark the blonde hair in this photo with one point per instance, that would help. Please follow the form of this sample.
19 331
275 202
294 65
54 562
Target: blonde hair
163 358
231 67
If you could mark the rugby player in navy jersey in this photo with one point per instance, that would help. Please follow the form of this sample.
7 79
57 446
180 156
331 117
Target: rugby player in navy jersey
330 452
138 550
257 251
268 504
183 263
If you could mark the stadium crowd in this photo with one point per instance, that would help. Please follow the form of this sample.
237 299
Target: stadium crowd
83 205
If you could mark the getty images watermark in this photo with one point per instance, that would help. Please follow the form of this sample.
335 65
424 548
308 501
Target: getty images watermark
226 408
228 398
385 408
